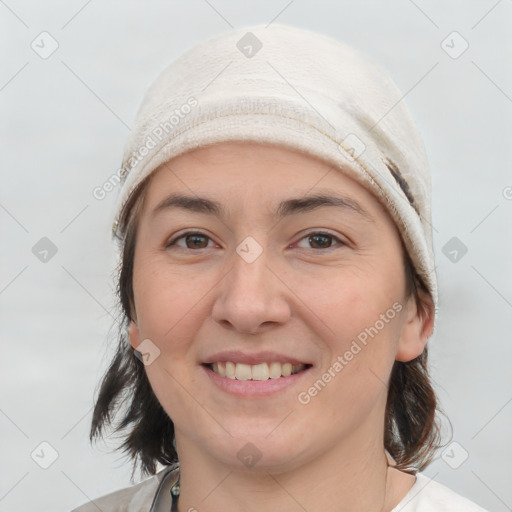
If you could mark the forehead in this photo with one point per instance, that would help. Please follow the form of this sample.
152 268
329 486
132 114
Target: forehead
254 173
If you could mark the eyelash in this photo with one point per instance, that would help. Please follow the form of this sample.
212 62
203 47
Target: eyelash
307 235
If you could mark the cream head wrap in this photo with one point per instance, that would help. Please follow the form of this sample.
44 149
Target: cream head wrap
306 91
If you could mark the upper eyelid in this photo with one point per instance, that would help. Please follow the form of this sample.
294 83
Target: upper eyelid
325 233
174 239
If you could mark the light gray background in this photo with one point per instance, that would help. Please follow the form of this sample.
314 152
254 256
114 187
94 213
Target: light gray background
64 121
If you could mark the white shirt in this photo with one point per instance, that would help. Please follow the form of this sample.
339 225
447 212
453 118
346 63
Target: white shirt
153 495
427 495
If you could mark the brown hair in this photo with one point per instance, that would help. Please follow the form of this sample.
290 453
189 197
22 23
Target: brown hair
412 432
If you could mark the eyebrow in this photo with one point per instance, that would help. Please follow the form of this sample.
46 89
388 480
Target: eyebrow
287 207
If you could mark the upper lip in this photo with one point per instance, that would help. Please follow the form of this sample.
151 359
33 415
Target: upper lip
235 356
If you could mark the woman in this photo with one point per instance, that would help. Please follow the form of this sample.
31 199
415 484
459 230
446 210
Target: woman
277 284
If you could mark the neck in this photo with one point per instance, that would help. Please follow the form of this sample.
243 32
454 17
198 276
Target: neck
347 478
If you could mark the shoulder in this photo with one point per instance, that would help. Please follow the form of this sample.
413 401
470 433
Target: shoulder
427 495
139 497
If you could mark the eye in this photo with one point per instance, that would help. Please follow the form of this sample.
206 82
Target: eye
197 240
320 240
192 240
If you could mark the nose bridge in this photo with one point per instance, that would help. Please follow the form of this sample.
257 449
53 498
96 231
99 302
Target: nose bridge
250 295
250 277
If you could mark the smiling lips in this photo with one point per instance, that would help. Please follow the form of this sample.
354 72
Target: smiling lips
261 371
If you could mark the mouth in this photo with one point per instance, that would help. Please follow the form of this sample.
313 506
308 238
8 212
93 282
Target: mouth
256 372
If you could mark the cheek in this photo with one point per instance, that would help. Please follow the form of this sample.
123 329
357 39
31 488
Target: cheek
172 305
348 300
360 316
168 302
171 309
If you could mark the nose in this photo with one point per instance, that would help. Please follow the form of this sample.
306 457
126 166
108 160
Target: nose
252 298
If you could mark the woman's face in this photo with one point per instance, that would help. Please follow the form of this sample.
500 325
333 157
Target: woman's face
270 281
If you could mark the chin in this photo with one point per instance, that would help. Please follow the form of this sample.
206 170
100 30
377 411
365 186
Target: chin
257 452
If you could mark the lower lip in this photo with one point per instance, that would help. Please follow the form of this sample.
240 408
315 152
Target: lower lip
248 388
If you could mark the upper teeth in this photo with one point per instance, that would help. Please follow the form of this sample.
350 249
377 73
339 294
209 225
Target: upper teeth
262 371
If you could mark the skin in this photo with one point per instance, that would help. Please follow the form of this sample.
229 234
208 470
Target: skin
297 298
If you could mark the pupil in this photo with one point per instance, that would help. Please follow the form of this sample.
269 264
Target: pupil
196 240
325 238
